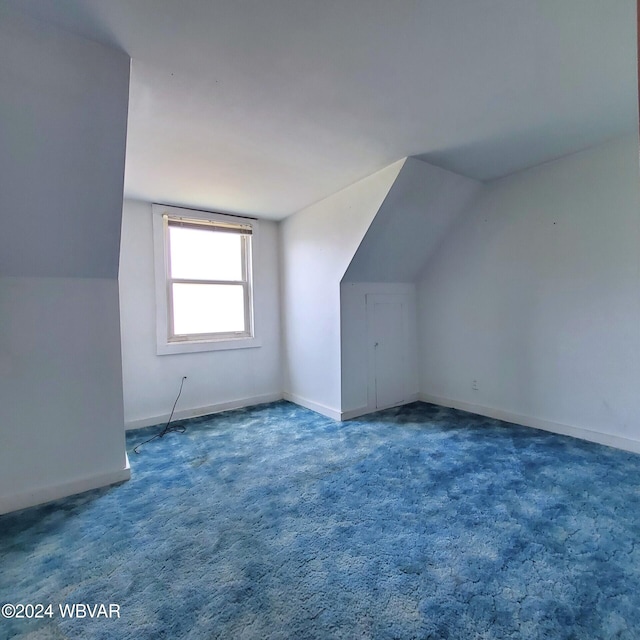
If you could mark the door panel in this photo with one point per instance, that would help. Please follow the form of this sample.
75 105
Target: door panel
388 337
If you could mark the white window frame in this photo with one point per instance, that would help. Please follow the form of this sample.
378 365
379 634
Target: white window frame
166 342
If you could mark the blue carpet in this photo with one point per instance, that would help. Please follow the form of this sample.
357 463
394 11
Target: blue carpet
275 522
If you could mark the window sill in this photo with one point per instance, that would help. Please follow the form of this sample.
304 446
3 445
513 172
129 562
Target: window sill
195 346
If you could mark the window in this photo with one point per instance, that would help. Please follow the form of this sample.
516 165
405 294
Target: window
204 288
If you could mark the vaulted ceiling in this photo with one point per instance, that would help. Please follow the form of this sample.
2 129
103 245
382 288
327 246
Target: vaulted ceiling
266 106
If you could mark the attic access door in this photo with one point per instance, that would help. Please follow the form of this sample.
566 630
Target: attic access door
387 328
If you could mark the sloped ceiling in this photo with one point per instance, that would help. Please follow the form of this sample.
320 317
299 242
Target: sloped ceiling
266 106
419 209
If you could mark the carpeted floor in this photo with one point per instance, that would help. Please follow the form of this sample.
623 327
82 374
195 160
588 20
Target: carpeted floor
275 522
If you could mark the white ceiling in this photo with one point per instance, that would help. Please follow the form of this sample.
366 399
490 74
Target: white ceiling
266 106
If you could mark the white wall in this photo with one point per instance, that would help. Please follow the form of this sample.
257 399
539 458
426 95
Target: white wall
357 394
535 294
60 388
216 379
62 146
317 245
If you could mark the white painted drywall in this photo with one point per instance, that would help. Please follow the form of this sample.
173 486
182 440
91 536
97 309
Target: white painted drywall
215 379
416 214
357 395
62 146
60 386
317 245
535 294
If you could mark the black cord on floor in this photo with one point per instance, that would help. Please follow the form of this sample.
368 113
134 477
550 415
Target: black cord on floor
178 428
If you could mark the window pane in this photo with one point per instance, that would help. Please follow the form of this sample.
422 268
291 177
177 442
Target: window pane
197 254
207 308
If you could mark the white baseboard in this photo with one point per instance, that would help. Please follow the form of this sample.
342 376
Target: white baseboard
363 411
355 413
618 442
47 494
334 414
203 411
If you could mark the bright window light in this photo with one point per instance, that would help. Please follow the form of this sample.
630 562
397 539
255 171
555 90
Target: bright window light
208 308
205 255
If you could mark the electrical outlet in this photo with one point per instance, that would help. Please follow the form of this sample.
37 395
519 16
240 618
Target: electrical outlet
474 385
